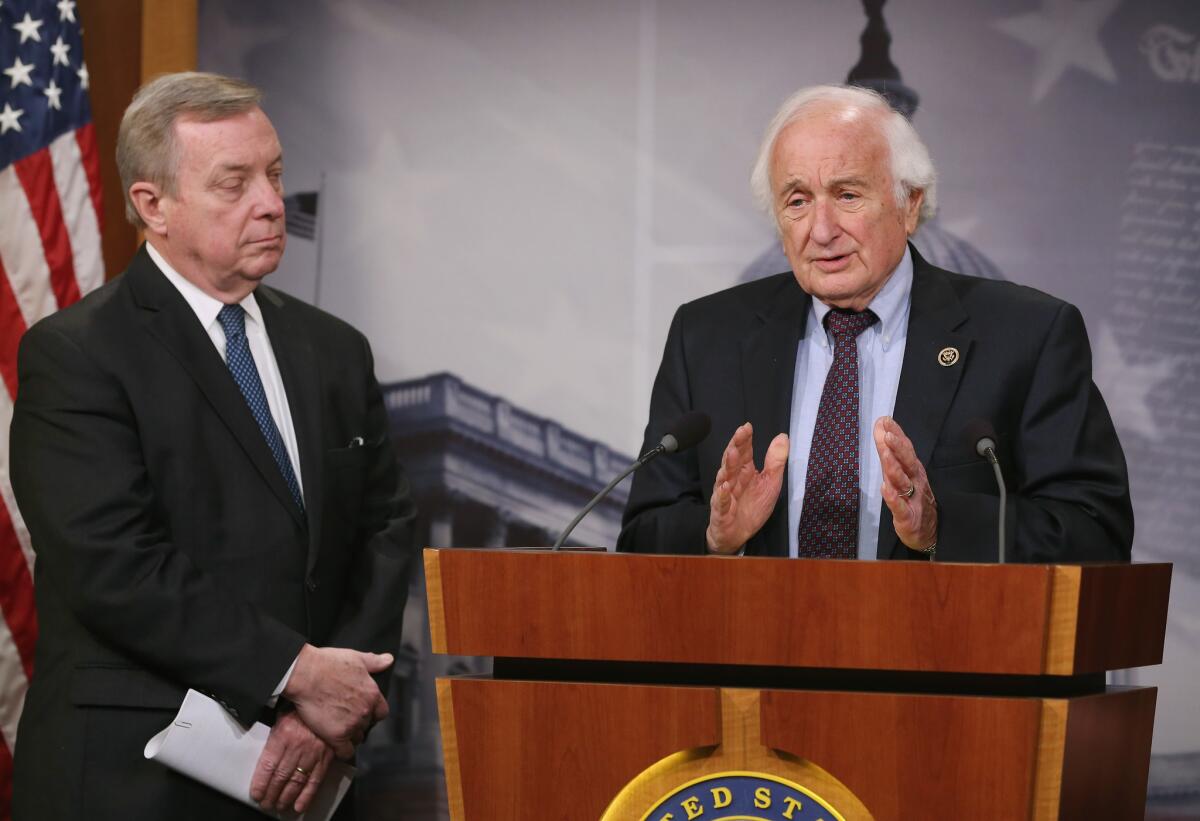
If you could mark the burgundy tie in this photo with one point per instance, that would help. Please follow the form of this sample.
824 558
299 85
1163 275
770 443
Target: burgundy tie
829 518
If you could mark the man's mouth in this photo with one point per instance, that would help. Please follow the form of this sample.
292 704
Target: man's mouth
832 264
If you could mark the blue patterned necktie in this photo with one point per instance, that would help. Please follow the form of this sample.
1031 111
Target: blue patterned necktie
829 519
245 374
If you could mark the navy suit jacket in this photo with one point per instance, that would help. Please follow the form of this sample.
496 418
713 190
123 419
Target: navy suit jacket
169 552
1024 365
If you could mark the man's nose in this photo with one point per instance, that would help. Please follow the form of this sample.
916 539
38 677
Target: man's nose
269 201
825 226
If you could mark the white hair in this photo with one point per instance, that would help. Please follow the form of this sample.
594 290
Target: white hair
912 169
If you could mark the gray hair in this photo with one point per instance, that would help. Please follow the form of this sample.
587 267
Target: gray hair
146 146
912 169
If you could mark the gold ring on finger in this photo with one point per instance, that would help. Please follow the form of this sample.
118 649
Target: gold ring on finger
908 494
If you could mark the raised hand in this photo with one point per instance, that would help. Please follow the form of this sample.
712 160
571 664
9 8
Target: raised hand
743 496
906 489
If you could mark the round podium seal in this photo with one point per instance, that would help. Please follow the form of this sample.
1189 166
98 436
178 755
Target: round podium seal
741 796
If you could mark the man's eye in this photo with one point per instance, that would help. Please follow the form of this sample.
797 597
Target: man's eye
847 196
230 185
796 202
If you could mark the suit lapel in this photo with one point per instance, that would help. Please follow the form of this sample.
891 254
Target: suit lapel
768 371
927 386
168 318
301 379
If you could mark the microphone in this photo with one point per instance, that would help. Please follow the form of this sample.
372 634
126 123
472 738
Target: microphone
982 436
687 431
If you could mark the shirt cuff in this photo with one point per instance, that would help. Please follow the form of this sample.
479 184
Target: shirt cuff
274 699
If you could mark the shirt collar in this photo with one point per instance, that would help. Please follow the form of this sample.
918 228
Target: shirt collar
890 304
204 306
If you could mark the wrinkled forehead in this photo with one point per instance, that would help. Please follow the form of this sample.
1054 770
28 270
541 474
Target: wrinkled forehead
244 139
827 141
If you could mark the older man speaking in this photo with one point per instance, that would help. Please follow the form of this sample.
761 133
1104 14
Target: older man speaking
869 367
205 470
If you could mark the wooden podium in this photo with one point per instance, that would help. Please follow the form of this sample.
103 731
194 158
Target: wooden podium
881 690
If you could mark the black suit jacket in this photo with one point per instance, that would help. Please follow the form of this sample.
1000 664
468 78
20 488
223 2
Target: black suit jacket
169 551
1024 366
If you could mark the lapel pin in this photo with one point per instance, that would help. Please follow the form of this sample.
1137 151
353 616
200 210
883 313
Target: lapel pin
947 357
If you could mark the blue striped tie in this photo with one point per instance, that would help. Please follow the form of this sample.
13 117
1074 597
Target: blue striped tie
245 373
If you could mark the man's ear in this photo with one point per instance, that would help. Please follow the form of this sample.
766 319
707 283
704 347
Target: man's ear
147 199
912 211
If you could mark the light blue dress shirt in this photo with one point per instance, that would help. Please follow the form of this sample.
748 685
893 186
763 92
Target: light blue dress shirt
880 357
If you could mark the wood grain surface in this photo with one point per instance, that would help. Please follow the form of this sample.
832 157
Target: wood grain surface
911 756
550 750
1106 758
562 751
907 616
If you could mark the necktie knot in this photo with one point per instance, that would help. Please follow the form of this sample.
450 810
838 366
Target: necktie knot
849 323
233 321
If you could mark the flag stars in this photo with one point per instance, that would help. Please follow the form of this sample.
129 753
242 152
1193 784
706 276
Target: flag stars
29 29
10 119
83 76
66 10
53 94
60 50
1066 34
19 73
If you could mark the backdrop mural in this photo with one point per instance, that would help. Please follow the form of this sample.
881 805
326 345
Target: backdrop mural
511 199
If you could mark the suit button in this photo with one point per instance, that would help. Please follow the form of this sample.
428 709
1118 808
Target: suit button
311 584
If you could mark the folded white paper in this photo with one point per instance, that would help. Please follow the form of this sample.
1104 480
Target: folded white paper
205 743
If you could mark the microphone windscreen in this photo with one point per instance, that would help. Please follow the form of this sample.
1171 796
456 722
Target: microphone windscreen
976 432
688 431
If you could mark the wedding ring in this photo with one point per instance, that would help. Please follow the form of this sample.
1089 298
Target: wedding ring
909 493
302 772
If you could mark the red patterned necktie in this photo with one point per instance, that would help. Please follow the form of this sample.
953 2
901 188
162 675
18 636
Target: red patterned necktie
829 519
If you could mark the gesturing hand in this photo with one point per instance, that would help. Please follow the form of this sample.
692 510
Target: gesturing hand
743 496
335 695
906 489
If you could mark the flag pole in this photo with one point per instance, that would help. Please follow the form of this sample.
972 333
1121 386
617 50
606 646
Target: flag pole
320 240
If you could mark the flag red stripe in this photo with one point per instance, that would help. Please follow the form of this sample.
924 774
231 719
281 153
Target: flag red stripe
16 592
12 326
36 173
86 137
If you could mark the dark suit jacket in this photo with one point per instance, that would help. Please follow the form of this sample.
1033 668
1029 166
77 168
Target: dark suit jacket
1024 366
169 551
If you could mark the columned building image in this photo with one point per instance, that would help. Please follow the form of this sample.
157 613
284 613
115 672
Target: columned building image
484 473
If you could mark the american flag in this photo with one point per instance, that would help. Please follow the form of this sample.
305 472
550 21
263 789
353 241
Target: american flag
50 222
300 214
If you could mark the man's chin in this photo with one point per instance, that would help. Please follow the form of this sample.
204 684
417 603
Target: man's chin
262 264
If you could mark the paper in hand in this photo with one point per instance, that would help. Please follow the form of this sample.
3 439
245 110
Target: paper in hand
205 743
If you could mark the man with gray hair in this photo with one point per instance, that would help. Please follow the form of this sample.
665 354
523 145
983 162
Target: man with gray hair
876 374
204 466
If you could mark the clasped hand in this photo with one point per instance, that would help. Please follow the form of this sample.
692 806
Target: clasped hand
331 703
